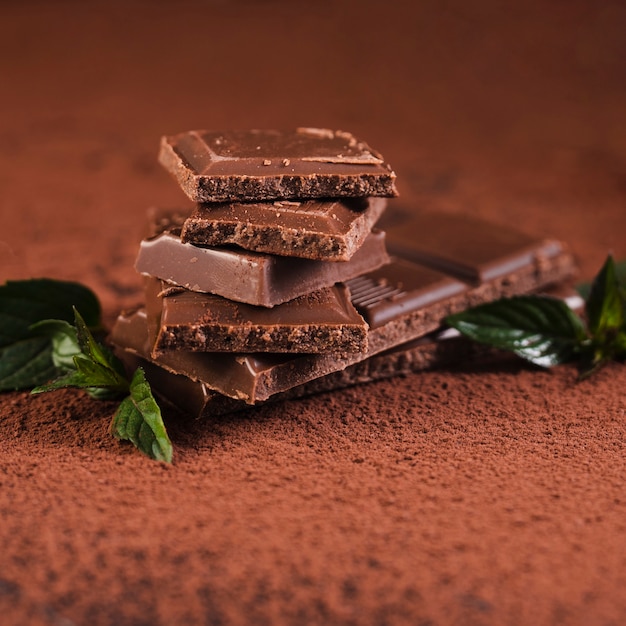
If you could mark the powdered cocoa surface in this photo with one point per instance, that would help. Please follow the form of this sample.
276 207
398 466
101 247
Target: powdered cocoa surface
483 494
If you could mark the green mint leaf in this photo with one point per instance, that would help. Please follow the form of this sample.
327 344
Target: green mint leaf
604 306
25 363
99 375
540 329
138 419
26 358
89 346
94 367
72 378
64 341
619 345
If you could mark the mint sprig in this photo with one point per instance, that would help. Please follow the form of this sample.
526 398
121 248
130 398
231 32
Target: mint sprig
25 356
95 368
83 362
40 349
545 331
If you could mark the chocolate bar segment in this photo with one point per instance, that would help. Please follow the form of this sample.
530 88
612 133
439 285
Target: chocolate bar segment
464 246
258 165
323 321
328 230
401 286
243 276
246 377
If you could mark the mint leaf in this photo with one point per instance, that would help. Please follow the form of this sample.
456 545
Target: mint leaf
26 362
64 341
604 306
605 310
138 419
26 357
91 366
540 329
98 353
38 341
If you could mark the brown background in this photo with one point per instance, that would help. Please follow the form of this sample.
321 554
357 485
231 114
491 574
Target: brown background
485 495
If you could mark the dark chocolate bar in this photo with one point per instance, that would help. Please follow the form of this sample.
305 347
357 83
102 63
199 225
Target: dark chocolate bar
324 321
323 230
258 165
243 276
464 246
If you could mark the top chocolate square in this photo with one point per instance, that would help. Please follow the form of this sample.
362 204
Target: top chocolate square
255 165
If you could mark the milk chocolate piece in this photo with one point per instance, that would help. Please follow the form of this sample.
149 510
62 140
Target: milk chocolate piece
327 230
318 322
251 277
258 165
464 246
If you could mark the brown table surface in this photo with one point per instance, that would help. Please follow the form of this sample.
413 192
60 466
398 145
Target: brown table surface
485 495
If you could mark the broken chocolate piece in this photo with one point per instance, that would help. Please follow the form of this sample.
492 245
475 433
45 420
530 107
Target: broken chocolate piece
323 321
328 230
251 277
258 165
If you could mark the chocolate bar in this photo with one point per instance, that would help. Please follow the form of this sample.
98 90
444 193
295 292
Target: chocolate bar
251 277
327 230
466 247
402 301
258 165
256 377
321 321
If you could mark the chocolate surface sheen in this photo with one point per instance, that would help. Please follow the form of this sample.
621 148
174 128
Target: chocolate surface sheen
255 165
328 230
244 276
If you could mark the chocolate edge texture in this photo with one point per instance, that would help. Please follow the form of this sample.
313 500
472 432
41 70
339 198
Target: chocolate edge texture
276 279
201 188
200 229
248 335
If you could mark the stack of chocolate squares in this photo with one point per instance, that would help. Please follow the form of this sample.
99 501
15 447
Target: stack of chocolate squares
288 279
